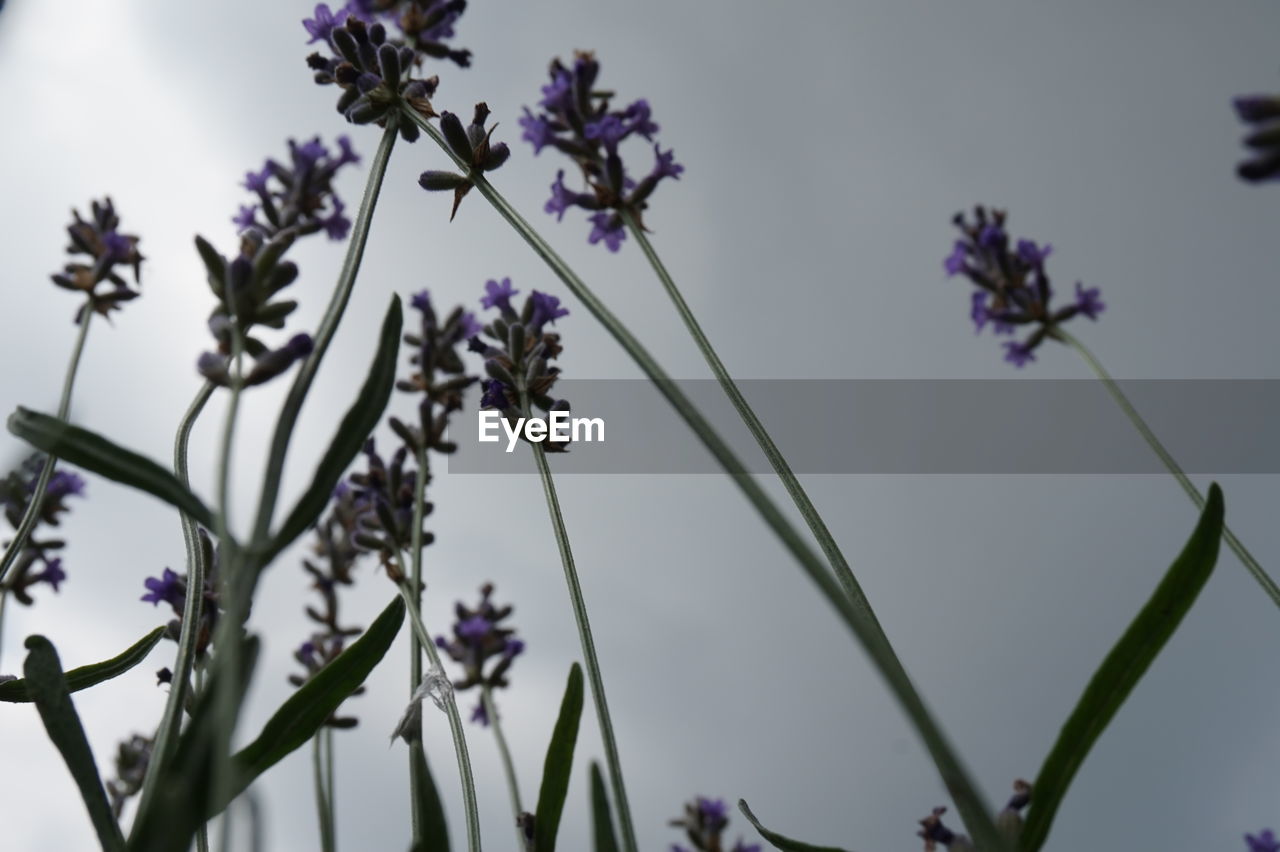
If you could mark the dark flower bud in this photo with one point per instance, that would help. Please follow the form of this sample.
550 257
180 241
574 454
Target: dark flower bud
456 136
389 62
434 181
344 42
498 155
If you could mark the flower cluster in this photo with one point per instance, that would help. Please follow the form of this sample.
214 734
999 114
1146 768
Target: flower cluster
171 588
472 145
478 638
132 757
383 499
1262 114
101 240
519 372
37 563
704 822
439 375
1263 841
298 197
1013 288
576 119
337 555
373 71
1008 823
246 288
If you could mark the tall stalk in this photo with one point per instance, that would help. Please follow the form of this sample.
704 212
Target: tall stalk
1237 547
844 574
29 518
504 752
856 614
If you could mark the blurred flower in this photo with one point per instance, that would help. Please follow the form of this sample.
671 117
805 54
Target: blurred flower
704 822
294 197
575 118
1013 286
1262 114
478 640
171 588
101 240
1264 841
383 495
37 563
132 757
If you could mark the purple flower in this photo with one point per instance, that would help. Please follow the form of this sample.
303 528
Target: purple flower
1018 354
537 131
470 326
609 130
1088 302
335 224
979 313
168 587
991 237
641 122
257 181
309 153
346 154
513 648
562 199
244 220
1031 254
117 246
421 301
52 573
479 714
558 94
495 395
475 628
62 484
324 22
745 847
608 227
546 309
498 295
954 262
665 164
1263 842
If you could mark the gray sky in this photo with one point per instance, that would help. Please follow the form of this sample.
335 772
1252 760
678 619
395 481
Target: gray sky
827 145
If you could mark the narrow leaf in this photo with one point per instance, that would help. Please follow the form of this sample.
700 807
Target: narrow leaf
95 453
778 841
48 689
601 818
361 419
428 810
559 765
1122 668
84 677
305 711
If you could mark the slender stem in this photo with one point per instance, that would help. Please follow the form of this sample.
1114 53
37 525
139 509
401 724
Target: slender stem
508 767
455 722
579 604
324 805
417 784
202 838
29 518
1237 546
844 574
323 336
331 784
171 721
867 631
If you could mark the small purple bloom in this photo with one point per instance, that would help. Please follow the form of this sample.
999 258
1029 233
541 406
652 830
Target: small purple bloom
607 227
979 313
537 131
307 654
665 164
62 484
324 23
641 120
421 301
714 812
52 574
1018 354
335 224
558 94
244 220
561 199
474 628
346 154
257 181
1088 301
513 648
546 309
308 154
991 237
745 847
1031 254
954 262
470 326
117 246
168 587
498 295
609 130
1263 842
495 394
479 714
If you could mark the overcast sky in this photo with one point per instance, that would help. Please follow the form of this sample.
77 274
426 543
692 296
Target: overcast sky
826 146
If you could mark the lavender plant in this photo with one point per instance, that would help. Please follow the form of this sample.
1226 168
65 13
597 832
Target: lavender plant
188 774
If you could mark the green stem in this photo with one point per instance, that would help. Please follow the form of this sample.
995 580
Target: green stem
417 783
1246 558
171 720
323 804
844 574
508 767
969 802
32 515
331 784
588 649
455 721
323 336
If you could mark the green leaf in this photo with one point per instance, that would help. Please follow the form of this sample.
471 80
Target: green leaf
601 818
559 765
95 453
778 841
48 689
428 810
1122 668
305 711
17 691
361 419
